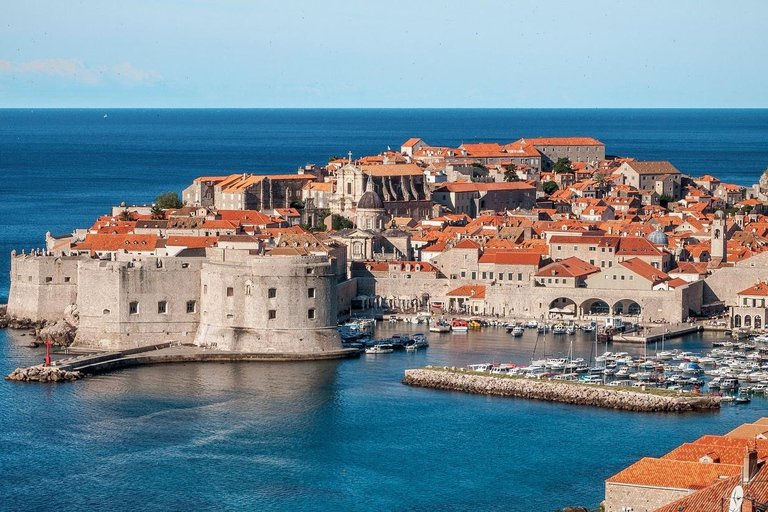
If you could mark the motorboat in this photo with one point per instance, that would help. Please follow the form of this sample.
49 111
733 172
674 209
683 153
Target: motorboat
517 331
382 348
558 329
440 326
411 348
571 329
533 324
459 326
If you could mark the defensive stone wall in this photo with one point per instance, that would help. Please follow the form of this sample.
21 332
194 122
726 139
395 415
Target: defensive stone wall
42 286
126 304
269 304
726 282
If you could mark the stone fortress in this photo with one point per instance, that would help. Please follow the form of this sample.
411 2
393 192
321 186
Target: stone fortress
232 299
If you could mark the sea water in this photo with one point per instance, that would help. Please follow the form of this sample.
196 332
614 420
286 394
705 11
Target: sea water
331 435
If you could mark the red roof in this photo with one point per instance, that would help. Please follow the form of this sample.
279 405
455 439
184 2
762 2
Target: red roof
673 474
570 267
468 290
510 258
484 187
563 141
760 289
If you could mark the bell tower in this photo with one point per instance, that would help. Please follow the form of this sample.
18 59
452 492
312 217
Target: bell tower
719 250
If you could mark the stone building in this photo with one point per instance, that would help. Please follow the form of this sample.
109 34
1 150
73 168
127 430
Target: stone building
750 308
576 149
246 191
472 198
661 177
401 188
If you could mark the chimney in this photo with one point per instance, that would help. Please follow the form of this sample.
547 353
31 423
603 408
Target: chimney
749 468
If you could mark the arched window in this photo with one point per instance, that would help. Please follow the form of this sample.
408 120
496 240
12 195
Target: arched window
747 321
737 321
106 312
758 322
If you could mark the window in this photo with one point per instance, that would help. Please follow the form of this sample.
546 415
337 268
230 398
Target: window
311 313
48 279
205 289
311 293
272 293
191 306
463 273
67 279
230 291
622 277
349 188
474 275
310 271
519 276
501 276
247 289
510 276
272 314
614 277
133 308
490 275
162 307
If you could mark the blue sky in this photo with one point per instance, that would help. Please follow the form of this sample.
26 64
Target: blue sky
233 53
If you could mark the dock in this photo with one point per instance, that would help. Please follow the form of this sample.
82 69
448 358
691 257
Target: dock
658 333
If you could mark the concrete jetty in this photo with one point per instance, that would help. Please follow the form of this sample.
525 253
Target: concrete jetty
163 353
650 400
657 333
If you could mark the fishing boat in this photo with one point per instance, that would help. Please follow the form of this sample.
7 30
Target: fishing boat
459 326
558 329
517 331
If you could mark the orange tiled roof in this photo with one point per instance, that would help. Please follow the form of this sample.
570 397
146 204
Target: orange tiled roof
760 289
673 474
569 267
468 290
392 170
563 141
510 258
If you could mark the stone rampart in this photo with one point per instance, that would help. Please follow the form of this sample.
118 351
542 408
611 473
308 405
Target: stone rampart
269 304
42 287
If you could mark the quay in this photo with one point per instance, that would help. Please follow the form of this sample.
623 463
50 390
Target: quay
163 353
658 333
647 400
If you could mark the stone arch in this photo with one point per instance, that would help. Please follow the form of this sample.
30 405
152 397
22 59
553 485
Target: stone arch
627 307
595 307
737 321
561 307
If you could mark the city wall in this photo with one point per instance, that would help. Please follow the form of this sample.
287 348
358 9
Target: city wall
42 287
120 302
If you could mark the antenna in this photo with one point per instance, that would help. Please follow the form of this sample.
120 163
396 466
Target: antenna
737 497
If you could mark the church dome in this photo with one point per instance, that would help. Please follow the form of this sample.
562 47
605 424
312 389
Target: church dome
658 238
370 200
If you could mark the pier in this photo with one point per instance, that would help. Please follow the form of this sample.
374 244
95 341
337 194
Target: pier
577 393
658 333
163 353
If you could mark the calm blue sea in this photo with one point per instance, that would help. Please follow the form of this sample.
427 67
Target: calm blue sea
318 436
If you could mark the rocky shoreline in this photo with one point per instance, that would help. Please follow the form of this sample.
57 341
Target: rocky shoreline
554 391
61 333
43 374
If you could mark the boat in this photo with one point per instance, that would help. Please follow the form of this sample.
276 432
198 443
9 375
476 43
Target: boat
533 324
459 326
382 348
440 326
517 331
742 400
571 329
411 348
558 329
542 329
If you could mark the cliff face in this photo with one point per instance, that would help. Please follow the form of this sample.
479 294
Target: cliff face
554 391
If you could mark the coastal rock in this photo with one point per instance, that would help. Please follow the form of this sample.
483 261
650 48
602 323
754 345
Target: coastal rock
43 374
72 315
557 391
61 333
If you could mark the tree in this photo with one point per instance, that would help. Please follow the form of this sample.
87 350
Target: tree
340 223
549 187
125 215
510 174
297 204
665 199
562 165
169 200
157 213
334 157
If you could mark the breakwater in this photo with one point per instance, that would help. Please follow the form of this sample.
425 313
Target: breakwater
650 400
